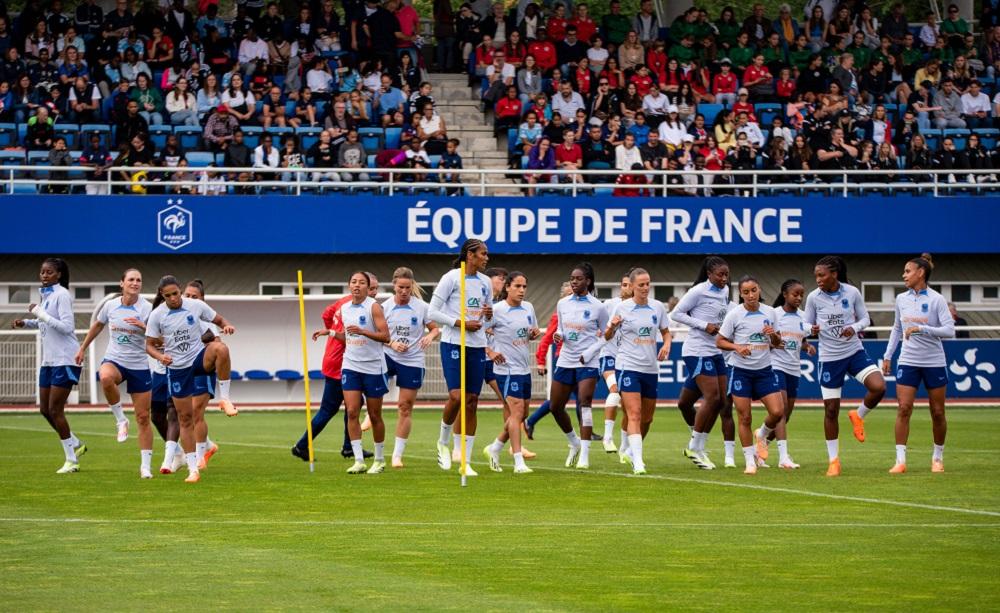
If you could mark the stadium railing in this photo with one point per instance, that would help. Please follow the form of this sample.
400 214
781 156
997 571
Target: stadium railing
24 180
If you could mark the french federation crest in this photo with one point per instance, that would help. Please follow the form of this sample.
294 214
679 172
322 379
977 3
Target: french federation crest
924 307
654 319
362 320
586 314
413 321
174 226
737 385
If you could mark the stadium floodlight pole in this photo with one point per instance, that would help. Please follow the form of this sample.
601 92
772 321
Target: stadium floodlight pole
461 342
305 369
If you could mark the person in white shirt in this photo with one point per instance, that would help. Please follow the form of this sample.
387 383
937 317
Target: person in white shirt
786 360
976 107
251 49
266 155
750 128
627 154
929 31
655 105
567 101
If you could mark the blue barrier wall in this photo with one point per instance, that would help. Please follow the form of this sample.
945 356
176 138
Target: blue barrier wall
972 372
550 224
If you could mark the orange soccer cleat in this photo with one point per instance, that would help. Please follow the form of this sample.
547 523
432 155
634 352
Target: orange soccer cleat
937 466
228 408
898 469
834 469
761 444
859 426
193 477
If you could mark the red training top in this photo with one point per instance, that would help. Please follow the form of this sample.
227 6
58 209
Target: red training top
333 356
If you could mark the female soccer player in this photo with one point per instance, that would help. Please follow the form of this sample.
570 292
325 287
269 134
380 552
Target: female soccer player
836 312
163 414
582 322
406 315
173 338
365 330
125 360
748 331
703 308
445 309
514 327
58 372
607 366
636 322
206 448
922 320
786 360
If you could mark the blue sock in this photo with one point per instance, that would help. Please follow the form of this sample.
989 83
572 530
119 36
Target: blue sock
539 413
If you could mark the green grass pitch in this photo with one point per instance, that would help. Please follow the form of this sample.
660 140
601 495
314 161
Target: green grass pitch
262 533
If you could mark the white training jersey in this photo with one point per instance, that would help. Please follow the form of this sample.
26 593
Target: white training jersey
59 342
745 327
702 305
361 353
793 330
582 321
638 332
445 303
126 342
610 348
180 330
407 323
834 312
512 326
928 311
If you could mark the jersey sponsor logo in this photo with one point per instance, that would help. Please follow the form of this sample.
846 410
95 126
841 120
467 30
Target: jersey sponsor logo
174 226
123 339
473 302
522 333
924 307
758 337
573 337
645 331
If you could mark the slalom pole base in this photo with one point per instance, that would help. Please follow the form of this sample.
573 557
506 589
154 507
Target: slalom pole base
464 483
312 467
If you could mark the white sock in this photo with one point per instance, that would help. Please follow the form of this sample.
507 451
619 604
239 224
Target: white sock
76 441
224 389
624 440
116 410
147 458
863 410
208 442
584 452
573 439
764 432
169 449
782 451
359 454
457 443
730 449
445 434
470 442
750 455
609 429
833 449
938 453
199 449
399 448
192 462
635 448
900 454
379 452
693 443
702 439
67 444
519 460
496 446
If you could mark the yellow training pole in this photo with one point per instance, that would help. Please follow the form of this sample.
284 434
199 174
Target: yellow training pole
305 371
461 340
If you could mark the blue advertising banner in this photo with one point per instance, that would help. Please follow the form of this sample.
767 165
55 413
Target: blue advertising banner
972 372
551 224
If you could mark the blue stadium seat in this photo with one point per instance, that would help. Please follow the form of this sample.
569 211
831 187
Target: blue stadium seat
8 135
235 375
710 111
512 141
278 134
25 188
371 160
22 132
190 136
288 375
69 131
158 134
251 135
373 139
220 159
393 137
435 160
766 112
200 159
308 136
257 375
958 135
933 138
316 375
12 157
988 137
37 158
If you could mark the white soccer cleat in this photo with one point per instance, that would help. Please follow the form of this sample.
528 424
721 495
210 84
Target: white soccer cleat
761 463
69 467
377 467
469 472
730 462
123 431
788 464
613 401
178 462
703 462
609 446
574 453
494 459
522 470
358 468
444 457
581 465
144 473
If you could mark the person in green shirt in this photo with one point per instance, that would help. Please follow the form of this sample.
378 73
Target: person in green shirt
684 25
911 56
742 54
685 52
149 98
942 51
861 52
616 25
798 56
954 28
702 27
728 28
774 53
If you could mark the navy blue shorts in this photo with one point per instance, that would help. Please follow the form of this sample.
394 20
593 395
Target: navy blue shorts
515 386
488 375
161 389
573 376
136 380
607 364
832 374
789 383
475 367
407 377
745 383
191 381
372 386
59 376
643 383
710 366
932 377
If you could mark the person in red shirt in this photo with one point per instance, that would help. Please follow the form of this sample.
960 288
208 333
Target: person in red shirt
743 104
508 112
758 80
585 26
557 25
724 84
544 52
624 179
515 49
643 82
656 61
569 156
333 393
581 78
785 87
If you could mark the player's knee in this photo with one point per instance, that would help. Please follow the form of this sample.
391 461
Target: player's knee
108 381
405 408
937 413
142 418
746 419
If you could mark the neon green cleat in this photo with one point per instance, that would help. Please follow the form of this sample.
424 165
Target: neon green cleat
444 457
610 447
638 471
493 459
357 468
79 451
574 453
69 467
376 467
522 470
